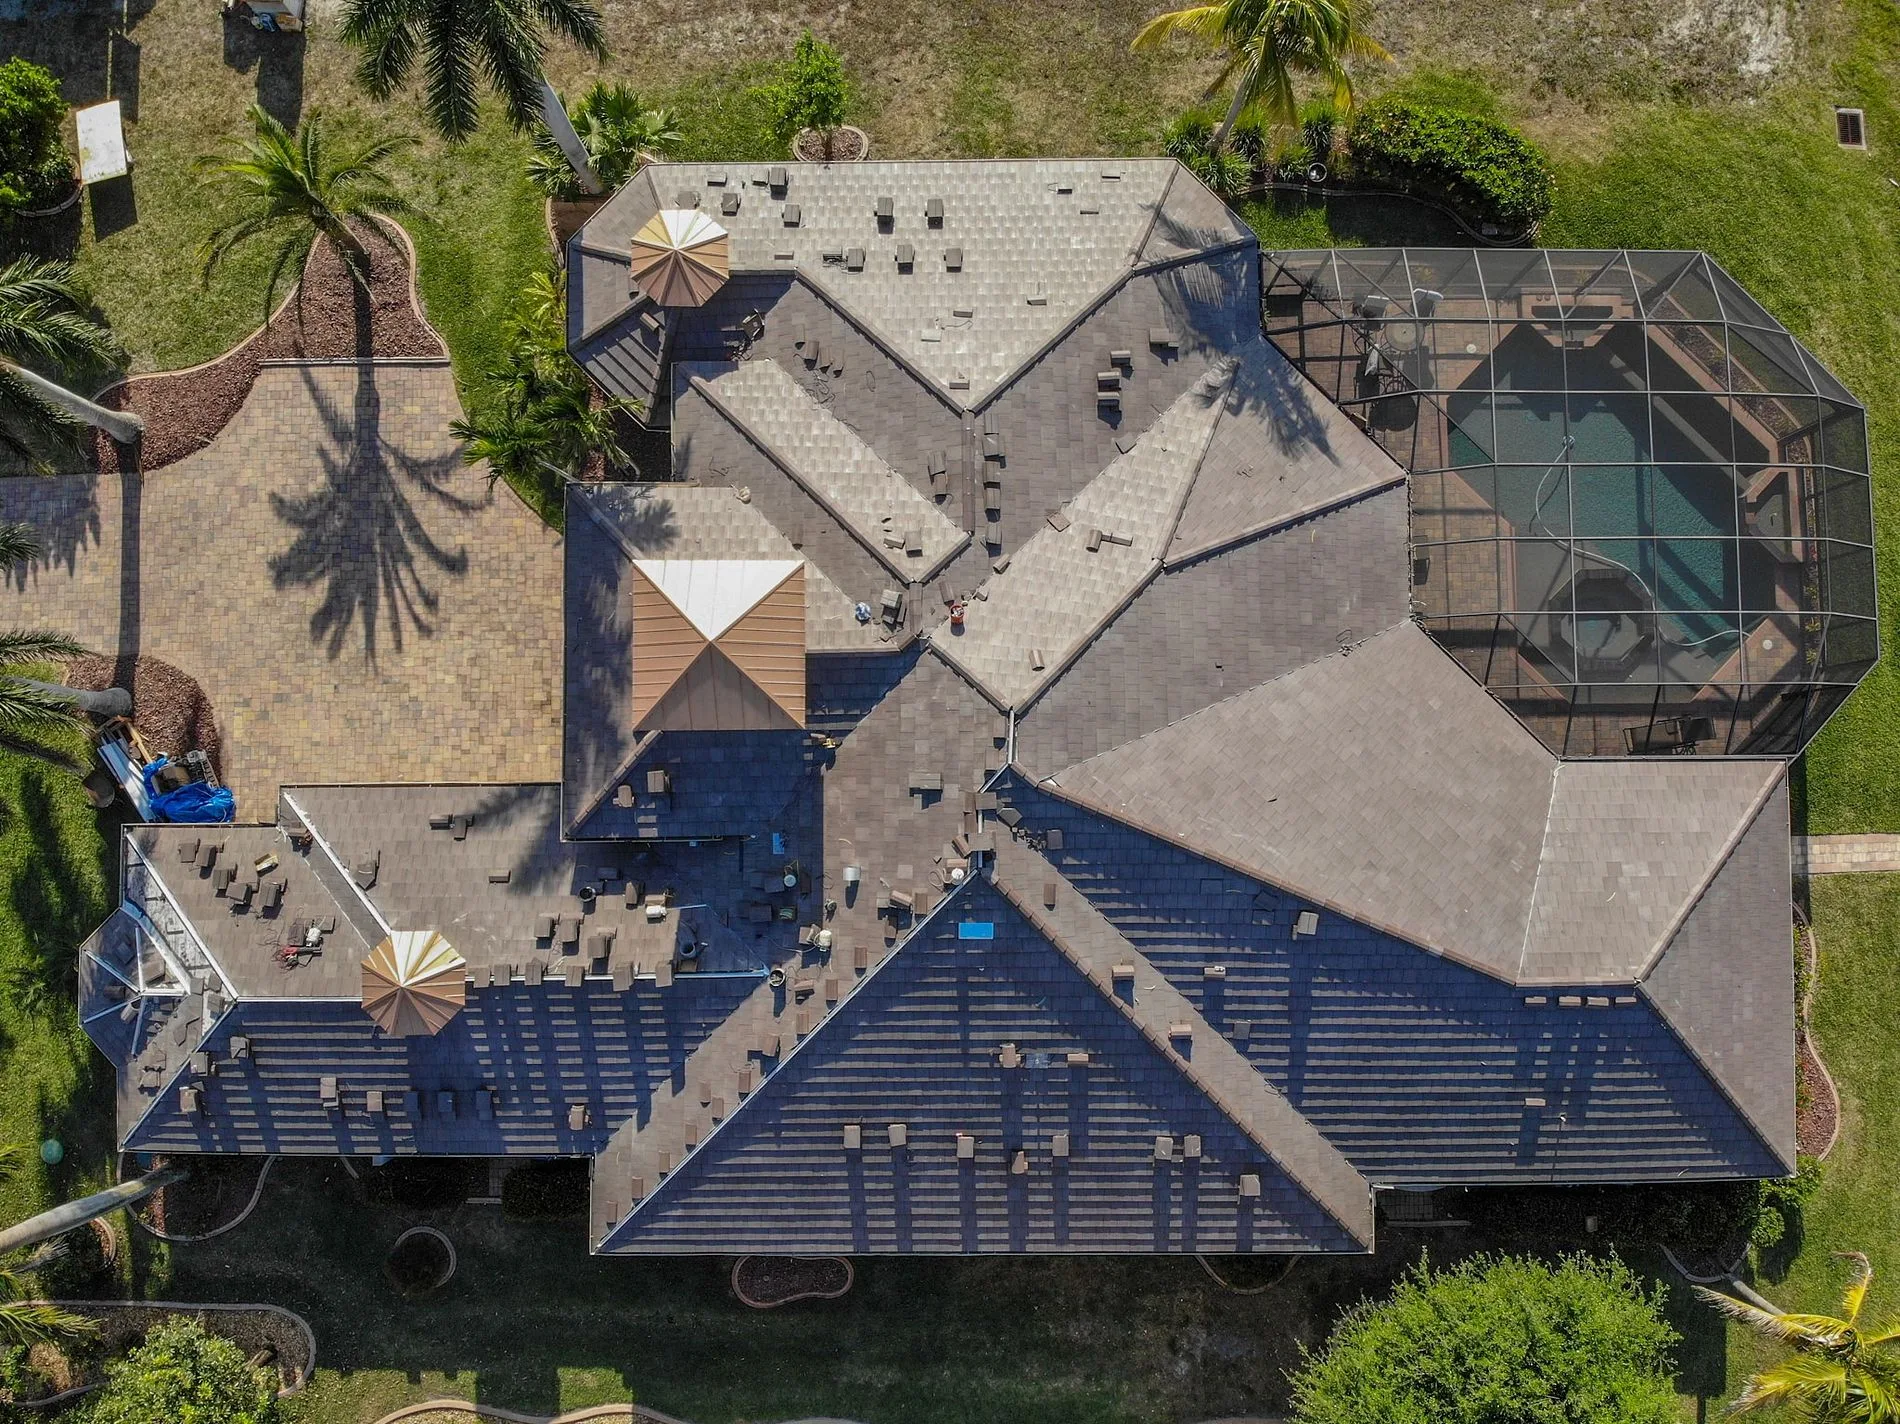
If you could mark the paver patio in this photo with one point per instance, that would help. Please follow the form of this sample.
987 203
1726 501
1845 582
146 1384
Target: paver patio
356 603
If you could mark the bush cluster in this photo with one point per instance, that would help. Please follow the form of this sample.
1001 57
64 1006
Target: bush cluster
184 1373
1486 171
1511 1340
35 170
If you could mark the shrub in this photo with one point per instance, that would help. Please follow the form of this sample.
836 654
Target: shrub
1190 135
1508 1340
617 130
185 1375
1780 1202
812 91
34 167
1485 170
537 1189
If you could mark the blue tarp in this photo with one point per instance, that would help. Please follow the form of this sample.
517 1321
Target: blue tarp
195 802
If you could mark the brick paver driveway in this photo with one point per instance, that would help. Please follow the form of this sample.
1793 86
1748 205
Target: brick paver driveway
357 604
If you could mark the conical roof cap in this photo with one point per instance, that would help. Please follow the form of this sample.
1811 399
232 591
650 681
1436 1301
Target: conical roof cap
681 257
414 983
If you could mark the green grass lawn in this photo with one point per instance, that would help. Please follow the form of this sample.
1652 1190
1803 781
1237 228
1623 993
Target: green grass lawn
58 882
1857 920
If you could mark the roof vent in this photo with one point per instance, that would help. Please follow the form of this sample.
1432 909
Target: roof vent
1019 1163
1306 924
791 215
906 257
953 259
1249 1185
886 211
775 179
1164 1148
1059 1144
899 1134
853 1137
966 1147
933 211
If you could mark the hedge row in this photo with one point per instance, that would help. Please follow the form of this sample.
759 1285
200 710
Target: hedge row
1485 170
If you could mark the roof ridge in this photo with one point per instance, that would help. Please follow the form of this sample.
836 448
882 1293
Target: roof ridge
1343 651
1154 216
1278 523
703 388
1537 880
831 1016
1722 857
1331 1183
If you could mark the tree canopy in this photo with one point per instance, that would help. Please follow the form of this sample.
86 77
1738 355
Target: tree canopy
1505 1340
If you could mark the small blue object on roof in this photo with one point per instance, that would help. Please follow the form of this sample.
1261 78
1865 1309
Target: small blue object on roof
195 802
976 929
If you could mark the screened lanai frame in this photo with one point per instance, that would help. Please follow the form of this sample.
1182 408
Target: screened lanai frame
1641 510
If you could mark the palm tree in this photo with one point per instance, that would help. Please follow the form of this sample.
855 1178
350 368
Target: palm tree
619 133
43 322
1270 43
288 187
1839 1373
461 41
21 1319
541 422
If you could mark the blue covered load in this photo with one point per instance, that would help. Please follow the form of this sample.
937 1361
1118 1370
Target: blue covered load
196 801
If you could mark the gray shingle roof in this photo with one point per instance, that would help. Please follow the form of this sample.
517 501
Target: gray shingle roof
1284 452
1382 782
1038 240
1208 629
1629 846
1086 561
1720 983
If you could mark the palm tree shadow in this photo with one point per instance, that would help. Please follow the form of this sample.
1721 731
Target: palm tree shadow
360 534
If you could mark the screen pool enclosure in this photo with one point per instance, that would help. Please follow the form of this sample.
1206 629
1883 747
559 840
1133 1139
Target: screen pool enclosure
1640 509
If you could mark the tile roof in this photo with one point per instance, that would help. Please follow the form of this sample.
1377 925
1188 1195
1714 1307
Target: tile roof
244 936
1375 932
1719 982
1217 625
1038 241
1381 781
536 1049
1282 453
825 456
925 1043
496 868
1628 847
1086 937
1419 1069
1087 561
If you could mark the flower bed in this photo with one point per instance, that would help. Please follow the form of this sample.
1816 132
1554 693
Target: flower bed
849 144
215 1197
279 1337
767 1282
422 1260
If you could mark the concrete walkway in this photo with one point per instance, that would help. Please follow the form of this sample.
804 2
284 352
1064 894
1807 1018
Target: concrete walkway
356 603
1845 855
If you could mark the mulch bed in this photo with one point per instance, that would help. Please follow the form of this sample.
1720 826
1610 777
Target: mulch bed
218 1189
848 145
328 317
1817 1106
419 1263
170 710
764 1282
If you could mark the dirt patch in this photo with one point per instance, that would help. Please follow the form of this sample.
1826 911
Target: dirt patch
328 317
170 710
765 1282
216 1194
